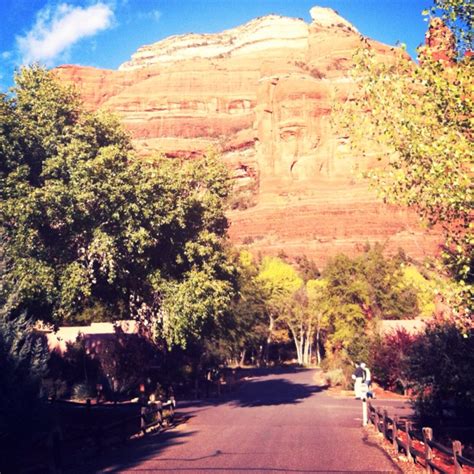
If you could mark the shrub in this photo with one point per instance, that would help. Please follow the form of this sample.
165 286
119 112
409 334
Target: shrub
336 377
338 368
82 391
389 359
23 357
242 201
441 367
54 388
316 73
124 362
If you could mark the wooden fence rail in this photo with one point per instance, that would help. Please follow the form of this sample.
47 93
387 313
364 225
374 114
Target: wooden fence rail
391 429
100 436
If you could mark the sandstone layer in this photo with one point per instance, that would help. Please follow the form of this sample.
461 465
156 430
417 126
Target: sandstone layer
262 94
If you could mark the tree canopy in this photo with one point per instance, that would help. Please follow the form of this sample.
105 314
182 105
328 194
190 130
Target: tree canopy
89 229
420 114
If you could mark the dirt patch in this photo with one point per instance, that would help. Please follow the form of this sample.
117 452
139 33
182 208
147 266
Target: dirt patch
406 466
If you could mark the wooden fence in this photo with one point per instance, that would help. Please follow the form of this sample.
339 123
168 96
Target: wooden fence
420 448
71 450
97 436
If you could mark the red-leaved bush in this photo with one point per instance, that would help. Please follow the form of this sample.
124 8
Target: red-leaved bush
389 357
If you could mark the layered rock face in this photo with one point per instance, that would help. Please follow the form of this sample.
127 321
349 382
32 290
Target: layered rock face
262 94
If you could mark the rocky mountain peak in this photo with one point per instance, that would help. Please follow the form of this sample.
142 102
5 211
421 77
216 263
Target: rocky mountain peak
328 18
261 95
244 39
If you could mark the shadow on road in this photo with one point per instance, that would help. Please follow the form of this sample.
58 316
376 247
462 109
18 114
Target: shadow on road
133 453
258 387
275 391
264 386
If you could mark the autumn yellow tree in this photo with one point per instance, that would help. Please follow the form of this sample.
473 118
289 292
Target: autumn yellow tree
420 114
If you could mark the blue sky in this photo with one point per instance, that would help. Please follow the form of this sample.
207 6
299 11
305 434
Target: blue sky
105 33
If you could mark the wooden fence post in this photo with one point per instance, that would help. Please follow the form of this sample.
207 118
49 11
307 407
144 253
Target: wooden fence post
427 437
409 442
364 412
143 411
457 451
88 416
159 413
384 424
395 432
377 420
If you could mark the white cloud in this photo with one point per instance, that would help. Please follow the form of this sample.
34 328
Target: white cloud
56 30
154 15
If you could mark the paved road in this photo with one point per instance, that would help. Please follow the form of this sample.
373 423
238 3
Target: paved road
280 421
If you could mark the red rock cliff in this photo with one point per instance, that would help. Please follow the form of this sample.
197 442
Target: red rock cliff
262 95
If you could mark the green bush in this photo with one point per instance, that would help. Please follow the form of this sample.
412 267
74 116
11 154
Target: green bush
441 367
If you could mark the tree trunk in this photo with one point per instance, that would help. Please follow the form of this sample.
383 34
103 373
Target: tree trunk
243 353
308 344
269 339
302 345
318 347
298 344
299 351
306 350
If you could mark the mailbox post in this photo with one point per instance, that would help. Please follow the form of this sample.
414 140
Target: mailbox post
364 389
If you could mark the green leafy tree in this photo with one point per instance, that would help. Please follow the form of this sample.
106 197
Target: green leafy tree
250 327
389 295
85 224
420 118
286 301
425 284
360 292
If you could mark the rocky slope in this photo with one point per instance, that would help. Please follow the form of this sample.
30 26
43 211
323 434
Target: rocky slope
262 95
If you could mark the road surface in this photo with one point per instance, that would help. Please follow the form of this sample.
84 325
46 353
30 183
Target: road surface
279 421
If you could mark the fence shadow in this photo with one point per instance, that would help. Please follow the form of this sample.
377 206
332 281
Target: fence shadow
259 387
134 453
